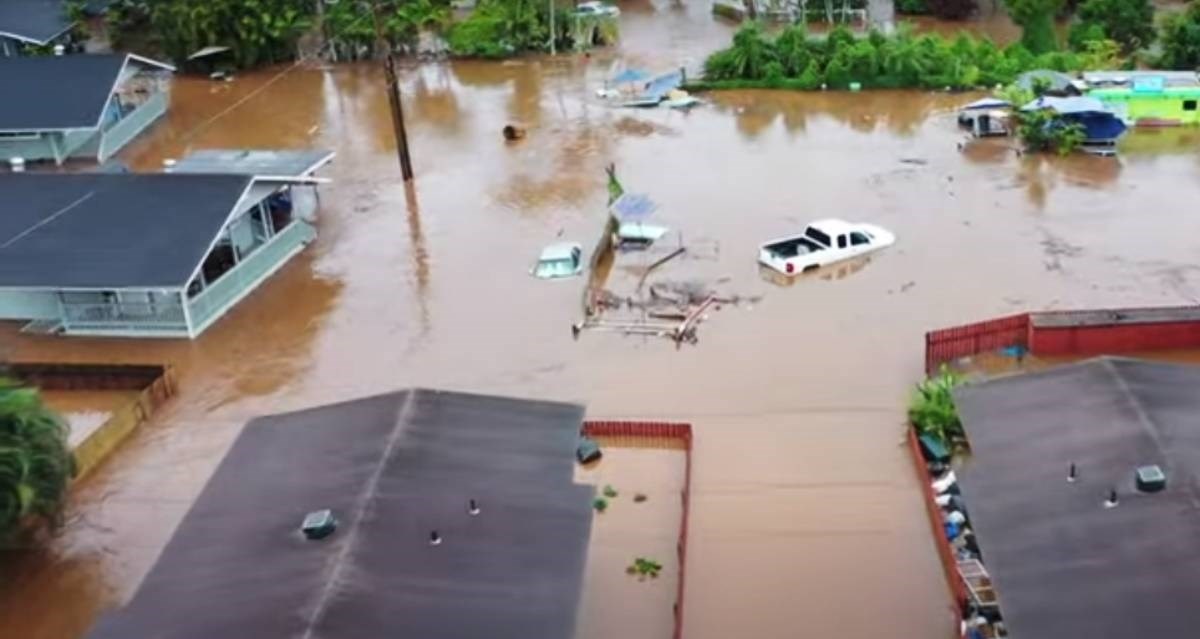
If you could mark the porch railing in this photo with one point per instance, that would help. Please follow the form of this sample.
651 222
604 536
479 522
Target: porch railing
234 284
161 317
120 133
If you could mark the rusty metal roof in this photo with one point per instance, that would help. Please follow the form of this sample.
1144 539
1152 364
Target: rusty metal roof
392 468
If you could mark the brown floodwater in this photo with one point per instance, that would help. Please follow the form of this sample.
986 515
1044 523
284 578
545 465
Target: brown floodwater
806 516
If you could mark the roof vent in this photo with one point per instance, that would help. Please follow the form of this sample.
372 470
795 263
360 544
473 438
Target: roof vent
434 538
318 524
1151 479
17 165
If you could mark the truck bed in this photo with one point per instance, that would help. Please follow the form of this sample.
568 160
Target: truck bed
791 247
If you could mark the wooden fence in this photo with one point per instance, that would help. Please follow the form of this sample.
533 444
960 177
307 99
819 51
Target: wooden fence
948 344
681 434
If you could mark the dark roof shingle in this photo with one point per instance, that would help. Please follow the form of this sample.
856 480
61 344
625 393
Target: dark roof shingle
56 92
96 230
392 468
1064 565
35 21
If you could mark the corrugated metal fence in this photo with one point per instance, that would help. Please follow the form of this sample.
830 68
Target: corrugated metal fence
948 344
681 434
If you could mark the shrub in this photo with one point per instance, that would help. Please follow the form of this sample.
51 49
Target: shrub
931 408
912 7
36 464
1036 19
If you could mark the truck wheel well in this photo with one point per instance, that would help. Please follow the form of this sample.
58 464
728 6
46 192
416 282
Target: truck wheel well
810 268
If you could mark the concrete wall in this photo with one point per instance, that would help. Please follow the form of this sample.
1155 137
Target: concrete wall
27 305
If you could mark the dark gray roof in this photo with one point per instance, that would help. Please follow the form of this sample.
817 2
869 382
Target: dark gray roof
56 92
34 21
1063 565
275 163
392 468
94 230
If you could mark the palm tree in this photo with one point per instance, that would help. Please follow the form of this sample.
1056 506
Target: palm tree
36 464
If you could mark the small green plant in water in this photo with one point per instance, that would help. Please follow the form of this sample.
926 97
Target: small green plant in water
600 504
609 491
932 410
643 567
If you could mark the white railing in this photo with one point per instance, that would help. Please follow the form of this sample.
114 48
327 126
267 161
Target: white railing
131 318
237 282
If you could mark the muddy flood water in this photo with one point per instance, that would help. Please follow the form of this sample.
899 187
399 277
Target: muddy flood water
807 519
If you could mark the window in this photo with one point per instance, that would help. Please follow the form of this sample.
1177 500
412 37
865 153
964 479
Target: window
842 241
859 239
1189 105
820 237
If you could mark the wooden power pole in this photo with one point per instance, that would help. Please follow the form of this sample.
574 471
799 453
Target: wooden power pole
393 89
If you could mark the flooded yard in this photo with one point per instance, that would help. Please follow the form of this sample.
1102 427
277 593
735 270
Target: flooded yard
806 516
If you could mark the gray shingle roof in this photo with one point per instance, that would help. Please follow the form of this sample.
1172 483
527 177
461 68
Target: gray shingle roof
1062 564
95 230
56 92
34 21
392 468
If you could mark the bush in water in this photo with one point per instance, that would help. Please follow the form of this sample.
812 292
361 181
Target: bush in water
794 60
1128 22
932 411
1036 19
36 464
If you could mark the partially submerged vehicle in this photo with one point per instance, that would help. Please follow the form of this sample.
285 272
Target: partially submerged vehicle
987 117
637 235
823 242
564 259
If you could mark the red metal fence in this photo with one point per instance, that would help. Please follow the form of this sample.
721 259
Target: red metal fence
957 588
948 344
682 433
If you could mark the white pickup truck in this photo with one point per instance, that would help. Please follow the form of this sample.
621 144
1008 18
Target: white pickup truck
823 242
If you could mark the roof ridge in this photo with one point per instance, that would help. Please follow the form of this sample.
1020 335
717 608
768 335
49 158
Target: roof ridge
361 506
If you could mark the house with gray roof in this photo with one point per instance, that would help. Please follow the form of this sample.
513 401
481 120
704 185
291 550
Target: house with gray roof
78 106
151 255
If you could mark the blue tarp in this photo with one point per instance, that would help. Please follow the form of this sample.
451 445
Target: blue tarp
1067 106
659 87
1099 124
633 206
630 75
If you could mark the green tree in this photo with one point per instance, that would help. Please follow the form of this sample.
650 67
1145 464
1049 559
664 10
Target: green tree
1181 40
1036 19
1129 22
792 48
752 52
36 465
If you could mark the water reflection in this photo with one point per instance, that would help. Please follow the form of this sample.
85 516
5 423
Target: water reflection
828 273
898 112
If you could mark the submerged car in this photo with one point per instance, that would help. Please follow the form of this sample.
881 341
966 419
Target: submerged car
823 242
559 260
596 9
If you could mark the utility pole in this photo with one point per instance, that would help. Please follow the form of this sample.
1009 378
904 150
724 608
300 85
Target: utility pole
393 89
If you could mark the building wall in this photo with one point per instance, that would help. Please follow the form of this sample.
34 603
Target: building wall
28 305
1167 106
30 149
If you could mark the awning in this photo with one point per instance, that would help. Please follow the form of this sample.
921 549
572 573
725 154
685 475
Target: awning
633 206
987 103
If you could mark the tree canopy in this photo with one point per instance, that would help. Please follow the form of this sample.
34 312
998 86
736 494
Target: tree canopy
36 465
1036 19
1130 23
1181 40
